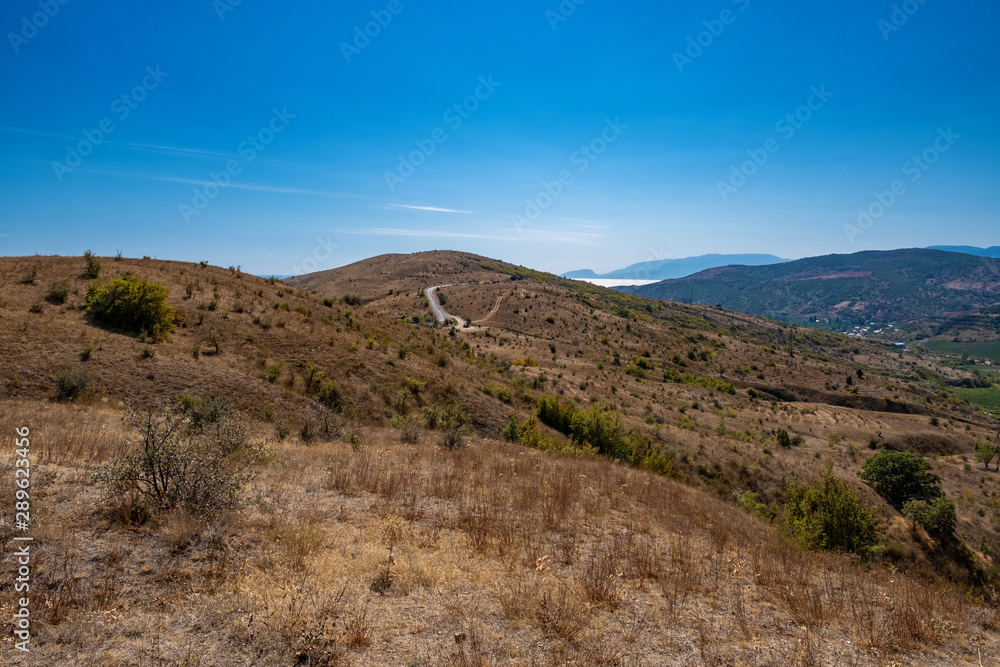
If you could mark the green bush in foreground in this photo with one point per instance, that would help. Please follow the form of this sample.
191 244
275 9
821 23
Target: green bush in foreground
829 515
134 304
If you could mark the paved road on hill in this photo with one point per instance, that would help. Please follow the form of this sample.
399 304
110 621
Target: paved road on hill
439 313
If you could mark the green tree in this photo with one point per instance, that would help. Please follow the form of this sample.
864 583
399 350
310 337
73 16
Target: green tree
134 304
985 453
938 516
829 515
900 476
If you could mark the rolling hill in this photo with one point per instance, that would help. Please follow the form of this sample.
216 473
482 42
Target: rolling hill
868 286
585 476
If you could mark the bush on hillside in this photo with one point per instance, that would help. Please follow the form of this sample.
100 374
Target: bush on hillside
59 292
900 476
203 473
938 517
92 268
829 515
134 304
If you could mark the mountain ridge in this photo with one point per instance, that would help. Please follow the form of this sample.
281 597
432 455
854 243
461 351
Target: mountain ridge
884 285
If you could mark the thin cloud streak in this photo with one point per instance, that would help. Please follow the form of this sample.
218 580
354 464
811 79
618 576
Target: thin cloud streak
426 208
146 148
255 187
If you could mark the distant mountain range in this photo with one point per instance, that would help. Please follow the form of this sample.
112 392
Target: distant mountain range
873 285
969 250
669 269
666 269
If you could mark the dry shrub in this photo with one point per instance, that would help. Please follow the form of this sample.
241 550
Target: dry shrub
299 541
560 612
360 627
179 528
600 579
518 596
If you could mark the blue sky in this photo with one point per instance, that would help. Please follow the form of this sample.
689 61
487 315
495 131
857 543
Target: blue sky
581 138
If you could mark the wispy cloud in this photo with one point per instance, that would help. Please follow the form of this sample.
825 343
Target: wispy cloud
255 187
587 224
426 208
579 238
182 151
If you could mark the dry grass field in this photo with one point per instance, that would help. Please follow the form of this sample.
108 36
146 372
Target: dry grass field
388 522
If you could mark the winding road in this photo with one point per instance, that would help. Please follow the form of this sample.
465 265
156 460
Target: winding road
439 313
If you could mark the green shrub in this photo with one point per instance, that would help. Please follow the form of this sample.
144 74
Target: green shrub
133 304
751 502
829 515
200 412
498 391
92 267
71 386
451 440
353 300
449 417
59 292
328 393
274 372
31 277
937 516
900 476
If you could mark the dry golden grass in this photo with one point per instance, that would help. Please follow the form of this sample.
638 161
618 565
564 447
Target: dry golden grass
383 553
373 551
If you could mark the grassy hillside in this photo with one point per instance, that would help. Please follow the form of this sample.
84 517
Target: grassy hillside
413 498
851 289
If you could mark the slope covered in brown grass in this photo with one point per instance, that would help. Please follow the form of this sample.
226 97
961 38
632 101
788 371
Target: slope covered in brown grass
499 554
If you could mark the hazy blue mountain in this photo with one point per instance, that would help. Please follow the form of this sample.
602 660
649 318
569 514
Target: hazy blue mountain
667 269
993 251
872 285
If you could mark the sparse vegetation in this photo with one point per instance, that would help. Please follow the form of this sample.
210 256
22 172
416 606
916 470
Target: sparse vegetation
59 292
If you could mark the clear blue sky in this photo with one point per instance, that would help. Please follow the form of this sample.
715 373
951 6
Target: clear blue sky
316 195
